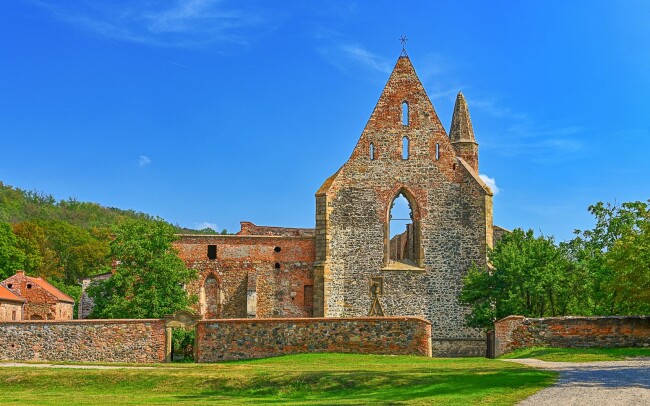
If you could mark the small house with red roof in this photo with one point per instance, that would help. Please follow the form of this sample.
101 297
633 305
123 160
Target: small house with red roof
11 305
43 300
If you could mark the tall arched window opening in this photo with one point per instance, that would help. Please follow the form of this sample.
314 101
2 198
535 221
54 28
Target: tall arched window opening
402 232
405 148
405 113
211 299
437 151
372 151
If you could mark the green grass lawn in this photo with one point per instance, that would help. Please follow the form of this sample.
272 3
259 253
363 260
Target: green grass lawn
322 379
578 354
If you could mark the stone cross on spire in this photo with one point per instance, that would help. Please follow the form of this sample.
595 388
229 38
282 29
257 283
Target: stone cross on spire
403 40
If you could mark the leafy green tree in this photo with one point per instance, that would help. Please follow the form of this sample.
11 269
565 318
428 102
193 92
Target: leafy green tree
629 261
79 253
528 275
11 257
149 279
40 259
606 256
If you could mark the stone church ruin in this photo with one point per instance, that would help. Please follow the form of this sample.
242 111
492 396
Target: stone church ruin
397 228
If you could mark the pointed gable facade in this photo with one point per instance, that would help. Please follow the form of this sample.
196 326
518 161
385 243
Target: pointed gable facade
405 151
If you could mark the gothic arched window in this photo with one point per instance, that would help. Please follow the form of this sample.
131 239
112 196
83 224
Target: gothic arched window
402 231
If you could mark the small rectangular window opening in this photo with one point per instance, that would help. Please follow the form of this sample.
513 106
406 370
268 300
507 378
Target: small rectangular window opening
372 151
212 252
13 315
437 151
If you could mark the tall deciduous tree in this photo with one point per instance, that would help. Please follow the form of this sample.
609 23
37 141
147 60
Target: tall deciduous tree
149 279
528 276
40 258
11 257
629 260
612 258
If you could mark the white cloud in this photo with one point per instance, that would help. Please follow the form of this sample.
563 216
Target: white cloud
346 56
205 224
365 57
144 160
179 23
492 184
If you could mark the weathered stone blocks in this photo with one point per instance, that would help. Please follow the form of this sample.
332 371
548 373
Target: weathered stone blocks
83 340
515 332
221 340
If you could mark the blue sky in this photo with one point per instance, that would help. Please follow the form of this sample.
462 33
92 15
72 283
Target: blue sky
212 112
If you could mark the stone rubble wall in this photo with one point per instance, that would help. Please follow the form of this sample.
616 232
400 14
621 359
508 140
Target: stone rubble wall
222 340
515 332
141 341
248 228
459 347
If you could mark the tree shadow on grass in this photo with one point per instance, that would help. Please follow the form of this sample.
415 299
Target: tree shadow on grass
445 384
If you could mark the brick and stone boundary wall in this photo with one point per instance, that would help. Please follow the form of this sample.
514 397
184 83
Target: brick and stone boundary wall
233 339
515 332
141 341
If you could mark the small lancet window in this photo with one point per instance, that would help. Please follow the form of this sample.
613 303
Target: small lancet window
405 148
405 113
437 151
372 151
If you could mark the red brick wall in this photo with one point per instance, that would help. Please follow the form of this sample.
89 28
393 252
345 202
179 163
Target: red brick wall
220 340
516 332
249 262
83 340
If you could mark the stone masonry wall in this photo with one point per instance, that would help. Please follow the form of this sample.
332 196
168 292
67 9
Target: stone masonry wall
515 332
140 341
273 270
221 340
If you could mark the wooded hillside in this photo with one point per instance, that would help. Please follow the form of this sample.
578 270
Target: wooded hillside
61 241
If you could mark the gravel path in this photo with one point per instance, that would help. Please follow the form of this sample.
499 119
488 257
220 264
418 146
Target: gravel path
594 383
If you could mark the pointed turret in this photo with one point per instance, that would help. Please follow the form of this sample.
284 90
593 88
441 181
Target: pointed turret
461 133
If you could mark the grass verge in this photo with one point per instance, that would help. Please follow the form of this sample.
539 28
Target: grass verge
578 354
318 379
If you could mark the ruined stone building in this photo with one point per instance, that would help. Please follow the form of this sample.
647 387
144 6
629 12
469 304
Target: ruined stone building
356 262
42 301
349 259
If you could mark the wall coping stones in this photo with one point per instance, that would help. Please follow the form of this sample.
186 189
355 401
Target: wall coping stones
315 320
243 237
85 321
